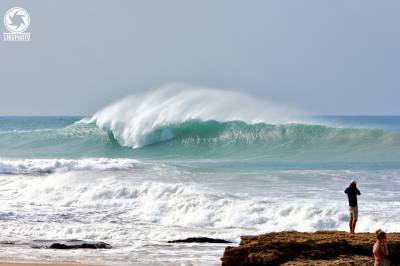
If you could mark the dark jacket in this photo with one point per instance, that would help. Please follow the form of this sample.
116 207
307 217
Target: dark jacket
352 193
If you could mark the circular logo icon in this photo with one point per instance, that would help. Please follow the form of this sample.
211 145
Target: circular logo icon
17 20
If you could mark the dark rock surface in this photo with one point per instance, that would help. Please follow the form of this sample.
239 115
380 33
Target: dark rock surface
70 244
7 242
300 249
199 240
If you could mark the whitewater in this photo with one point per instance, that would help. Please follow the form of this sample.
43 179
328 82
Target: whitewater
184 161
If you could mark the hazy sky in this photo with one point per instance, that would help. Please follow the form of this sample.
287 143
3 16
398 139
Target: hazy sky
325 57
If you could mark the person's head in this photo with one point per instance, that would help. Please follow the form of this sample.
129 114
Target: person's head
353 183
380 235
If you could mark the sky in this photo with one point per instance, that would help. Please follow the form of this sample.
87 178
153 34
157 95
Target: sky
324 57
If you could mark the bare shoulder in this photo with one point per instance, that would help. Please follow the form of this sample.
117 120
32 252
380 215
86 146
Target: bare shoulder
375 247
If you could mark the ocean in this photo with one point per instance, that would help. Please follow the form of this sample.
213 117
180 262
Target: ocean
173 163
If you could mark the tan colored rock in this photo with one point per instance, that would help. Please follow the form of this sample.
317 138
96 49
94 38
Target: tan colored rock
344 260
319 248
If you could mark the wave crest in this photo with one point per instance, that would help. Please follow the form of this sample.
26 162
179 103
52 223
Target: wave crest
134 119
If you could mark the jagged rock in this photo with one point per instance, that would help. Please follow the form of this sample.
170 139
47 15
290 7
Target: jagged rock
199 240
319 248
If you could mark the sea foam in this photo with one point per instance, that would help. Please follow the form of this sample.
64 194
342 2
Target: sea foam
105 197
40 166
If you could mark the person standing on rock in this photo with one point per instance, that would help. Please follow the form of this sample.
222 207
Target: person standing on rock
380 249
352 192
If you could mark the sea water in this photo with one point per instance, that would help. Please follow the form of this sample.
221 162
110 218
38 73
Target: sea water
178 163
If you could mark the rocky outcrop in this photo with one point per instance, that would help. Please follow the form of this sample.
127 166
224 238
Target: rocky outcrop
319 248
70 244
199 240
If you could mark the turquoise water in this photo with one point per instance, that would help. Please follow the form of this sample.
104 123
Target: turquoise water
346 141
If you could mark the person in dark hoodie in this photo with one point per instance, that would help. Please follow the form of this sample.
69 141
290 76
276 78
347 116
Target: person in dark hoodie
352 192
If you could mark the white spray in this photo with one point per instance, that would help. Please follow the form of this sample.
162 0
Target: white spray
133 118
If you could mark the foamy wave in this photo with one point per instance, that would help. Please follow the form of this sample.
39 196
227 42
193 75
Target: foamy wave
176 204
32 166
132 119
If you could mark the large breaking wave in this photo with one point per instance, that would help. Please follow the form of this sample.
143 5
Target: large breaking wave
197 123
135 120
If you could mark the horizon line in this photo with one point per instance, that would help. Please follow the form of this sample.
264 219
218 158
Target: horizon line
320 115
